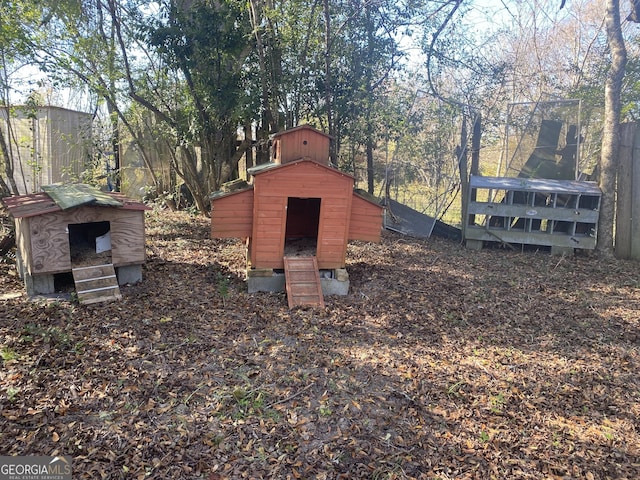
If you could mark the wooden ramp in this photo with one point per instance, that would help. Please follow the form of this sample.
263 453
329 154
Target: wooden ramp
97 283
303 281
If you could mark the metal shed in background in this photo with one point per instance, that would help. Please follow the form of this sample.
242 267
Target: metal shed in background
47 144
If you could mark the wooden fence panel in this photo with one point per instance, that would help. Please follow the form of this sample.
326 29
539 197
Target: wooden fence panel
627 238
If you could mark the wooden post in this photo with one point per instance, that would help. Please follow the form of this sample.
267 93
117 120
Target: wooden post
623 201
461 153
476 133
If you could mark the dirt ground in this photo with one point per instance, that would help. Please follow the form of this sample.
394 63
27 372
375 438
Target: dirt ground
441 363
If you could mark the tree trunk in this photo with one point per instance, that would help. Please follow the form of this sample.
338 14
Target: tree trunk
193 179
267 88
611 130
463 168
8 171
369 100
115 145
328 94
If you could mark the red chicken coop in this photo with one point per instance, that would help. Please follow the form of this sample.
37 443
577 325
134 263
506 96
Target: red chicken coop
297 217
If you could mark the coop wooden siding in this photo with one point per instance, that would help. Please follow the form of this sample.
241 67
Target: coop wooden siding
291 146
332 236
50 243
313 185
232 215
366 220
50 251
267 246
306 179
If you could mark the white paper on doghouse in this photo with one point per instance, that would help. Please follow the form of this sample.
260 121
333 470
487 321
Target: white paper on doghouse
103 243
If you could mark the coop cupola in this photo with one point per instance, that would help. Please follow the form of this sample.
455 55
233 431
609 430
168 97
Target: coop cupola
300 142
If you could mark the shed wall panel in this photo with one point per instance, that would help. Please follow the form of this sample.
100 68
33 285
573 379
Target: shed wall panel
627 231
53 144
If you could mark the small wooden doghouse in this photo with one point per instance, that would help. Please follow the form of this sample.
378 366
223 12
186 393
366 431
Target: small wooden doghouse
96 236
296 208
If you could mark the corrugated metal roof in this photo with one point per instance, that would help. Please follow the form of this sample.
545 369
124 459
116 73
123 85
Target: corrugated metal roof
30 205
22 206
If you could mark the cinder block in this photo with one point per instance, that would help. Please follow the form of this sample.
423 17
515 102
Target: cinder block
39 284
333 286
273 283
259 272
129 274
474 244
338 285
341 275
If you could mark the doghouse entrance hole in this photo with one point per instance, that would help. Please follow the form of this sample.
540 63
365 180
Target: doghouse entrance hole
90 243
303 219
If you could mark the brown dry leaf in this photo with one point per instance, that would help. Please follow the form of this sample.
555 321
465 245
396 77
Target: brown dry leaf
441 362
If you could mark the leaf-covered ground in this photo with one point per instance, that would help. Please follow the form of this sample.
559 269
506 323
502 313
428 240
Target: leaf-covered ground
440 363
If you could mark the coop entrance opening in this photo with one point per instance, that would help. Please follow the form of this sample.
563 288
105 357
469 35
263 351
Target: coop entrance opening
90 243
303 219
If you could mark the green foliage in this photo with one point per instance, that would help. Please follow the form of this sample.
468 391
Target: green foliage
12 393
631 94
189 44
8 354
179 79
497 403
247 403
223 286
50 334
18 22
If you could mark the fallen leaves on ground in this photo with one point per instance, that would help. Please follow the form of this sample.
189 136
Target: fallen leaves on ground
440 363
